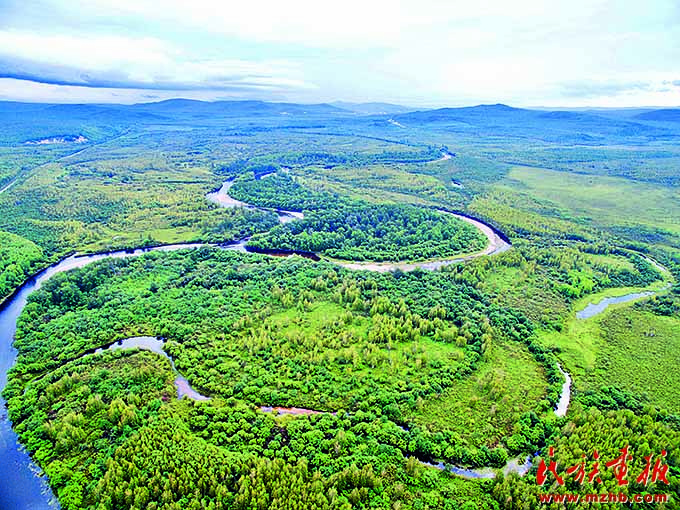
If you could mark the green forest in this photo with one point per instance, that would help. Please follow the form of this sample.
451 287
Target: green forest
376 233
19 259
331 387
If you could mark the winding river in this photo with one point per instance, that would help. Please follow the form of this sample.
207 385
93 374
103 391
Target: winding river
496 243
153 344
517 465
23 486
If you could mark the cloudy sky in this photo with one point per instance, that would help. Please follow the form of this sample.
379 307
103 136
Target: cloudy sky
414 52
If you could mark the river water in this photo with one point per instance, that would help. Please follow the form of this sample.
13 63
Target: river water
221 197
23 487
565 396
594 309
153 344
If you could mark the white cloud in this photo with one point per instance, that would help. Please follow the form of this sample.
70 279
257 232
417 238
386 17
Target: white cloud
97 60
351 23
29 91
97 52
414 51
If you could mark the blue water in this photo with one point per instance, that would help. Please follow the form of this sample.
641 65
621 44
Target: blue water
512 466
594 309
565 396
153 344
23 487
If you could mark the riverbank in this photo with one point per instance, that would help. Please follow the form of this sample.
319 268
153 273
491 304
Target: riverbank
154 344
24 486
496 245
497 242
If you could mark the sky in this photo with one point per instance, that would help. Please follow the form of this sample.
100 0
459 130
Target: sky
424 53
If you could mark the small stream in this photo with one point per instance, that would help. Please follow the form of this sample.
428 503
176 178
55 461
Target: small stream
296 411
515 465
8 186
594 309
153 344
565 396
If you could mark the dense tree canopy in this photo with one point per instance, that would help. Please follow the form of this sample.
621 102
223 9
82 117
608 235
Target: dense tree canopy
376 233
19 258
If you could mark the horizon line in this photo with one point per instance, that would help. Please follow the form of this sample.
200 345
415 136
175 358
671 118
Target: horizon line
336 101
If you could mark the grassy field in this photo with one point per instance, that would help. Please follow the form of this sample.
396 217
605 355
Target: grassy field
623 347
383 183
612 261
603 200
486 406
524 289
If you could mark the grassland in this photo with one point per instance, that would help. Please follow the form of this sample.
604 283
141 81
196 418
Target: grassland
624 348
523 288
602 200
383 183
483 408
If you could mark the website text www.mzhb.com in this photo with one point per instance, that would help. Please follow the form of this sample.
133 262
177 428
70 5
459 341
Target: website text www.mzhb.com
603 498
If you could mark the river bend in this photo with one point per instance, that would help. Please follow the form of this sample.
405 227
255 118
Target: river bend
24 487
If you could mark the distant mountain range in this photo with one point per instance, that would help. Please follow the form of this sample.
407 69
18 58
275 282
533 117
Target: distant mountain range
29 121
235 108
664 115
494 113
373 108
173 108
560 125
